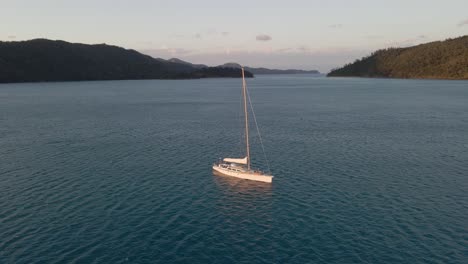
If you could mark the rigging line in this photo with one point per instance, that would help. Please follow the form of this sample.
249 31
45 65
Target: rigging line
258 130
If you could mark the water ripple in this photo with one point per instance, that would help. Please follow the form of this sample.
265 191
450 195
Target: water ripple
119 172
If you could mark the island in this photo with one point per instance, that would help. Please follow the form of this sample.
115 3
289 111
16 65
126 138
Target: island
41 60
235 65
268 71
446 59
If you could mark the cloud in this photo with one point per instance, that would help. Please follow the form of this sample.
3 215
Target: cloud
373 36
204 34
304 49
263 37
463 23
11 37
211 32
336 26
284 50
177 36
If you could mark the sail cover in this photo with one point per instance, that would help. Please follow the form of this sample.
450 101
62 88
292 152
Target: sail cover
238 161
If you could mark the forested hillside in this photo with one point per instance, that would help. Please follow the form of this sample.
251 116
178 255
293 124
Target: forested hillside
48 60
439 60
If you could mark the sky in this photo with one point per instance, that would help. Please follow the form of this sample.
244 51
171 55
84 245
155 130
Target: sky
304 34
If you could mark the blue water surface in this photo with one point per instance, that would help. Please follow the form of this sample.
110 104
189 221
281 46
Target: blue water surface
366 171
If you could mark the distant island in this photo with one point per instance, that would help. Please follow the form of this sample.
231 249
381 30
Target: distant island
41 60
435 60
235 65
268 71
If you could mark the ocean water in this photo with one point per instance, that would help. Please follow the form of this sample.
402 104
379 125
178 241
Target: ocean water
366 171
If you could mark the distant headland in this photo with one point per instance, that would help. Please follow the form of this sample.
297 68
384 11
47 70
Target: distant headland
42 60
253 70
446 59
267 71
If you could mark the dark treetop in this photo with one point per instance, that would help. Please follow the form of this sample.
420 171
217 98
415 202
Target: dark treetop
437 60
47 60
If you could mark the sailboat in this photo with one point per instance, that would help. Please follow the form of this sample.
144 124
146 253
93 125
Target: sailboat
240 167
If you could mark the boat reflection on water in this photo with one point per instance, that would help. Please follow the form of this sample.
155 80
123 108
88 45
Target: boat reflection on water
244 201
245 210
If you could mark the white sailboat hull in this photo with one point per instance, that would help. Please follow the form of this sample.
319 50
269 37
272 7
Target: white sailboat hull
243 174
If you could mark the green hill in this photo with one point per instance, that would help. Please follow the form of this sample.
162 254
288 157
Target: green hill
47 60
435 60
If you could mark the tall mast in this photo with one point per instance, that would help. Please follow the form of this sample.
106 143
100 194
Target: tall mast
244 93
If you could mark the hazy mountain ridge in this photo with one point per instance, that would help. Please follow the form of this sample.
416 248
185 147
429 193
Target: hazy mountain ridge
253 70
55 60
197 66
263 70
446 59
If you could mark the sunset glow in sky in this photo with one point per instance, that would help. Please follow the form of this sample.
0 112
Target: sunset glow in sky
276 34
